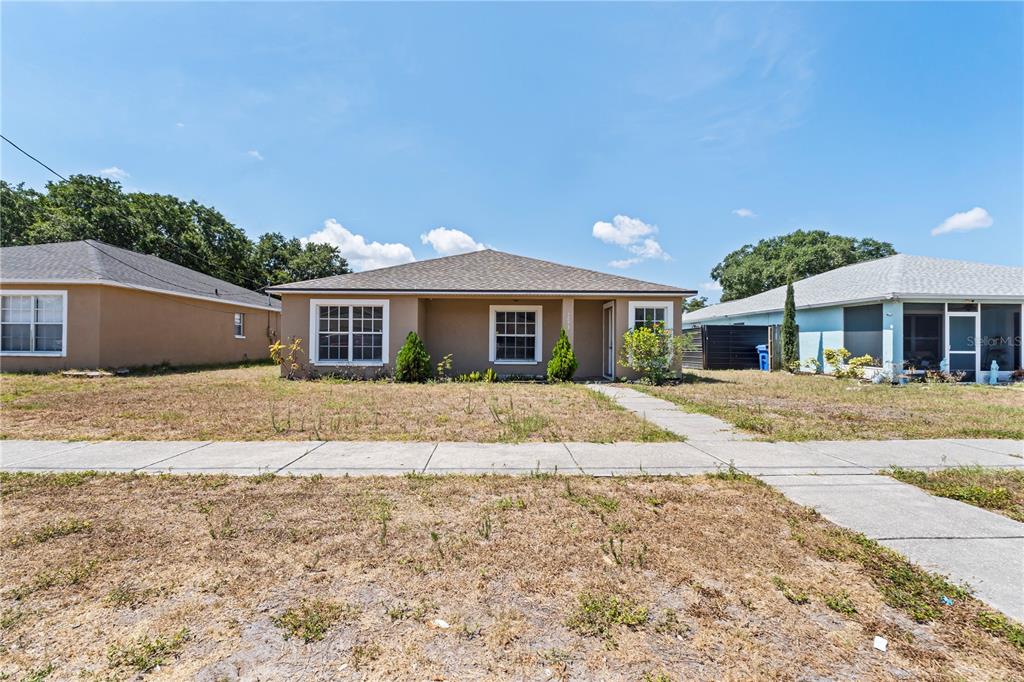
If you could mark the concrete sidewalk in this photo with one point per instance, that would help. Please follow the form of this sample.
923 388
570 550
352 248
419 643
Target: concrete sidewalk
599 459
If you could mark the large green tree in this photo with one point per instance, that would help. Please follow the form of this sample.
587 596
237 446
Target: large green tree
184 232
773 262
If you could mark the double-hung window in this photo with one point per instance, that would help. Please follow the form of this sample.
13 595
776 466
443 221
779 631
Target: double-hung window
650 314
239 325
349 332
515 336
33 323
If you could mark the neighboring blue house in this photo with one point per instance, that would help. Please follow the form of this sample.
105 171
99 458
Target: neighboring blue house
905 311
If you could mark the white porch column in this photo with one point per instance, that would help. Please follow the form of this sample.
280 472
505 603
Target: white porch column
892 336
568 318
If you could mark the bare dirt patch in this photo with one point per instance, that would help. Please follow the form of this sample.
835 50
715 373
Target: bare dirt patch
253 403
419 578
794 407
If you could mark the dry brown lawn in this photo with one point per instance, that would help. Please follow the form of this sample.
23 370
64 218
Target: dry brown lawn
421 578
783 406
253 403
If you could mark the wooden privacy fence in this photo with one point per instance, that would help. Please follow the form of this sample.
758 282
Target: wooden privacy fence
731 346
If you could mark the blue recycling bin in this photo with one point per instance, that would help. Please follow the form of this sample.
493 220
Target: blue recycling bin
762 356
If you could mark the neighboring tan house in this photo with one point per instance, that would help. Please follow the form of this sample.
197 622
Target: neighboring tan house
86 304
487 309
904 311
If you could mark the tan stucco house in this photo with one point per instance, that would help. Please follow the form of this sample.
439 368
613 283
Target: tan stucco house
86 304
487 309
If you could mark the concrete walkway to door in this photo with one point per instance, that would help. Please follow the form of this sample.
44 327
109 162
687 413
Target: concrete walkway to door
837 478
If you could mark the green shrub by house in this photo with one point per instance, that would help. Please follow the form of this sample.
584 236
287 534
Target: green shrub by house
790 343
413 362
562 364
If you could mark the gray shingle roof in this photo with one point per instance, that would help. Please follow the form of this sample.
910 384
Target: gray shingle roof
480 272
900 276
93 261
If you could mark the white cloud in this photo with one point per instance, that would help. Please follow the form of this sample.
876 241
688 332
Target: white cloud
622 230
744 213
975 219
179 124
114 173
711 286
632 234
254 153
448 242
360 254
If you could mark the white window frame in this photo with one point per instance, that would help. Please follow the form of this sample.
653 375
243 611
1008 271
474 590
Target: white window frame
538 339
670 312
314 338
239 325
63 352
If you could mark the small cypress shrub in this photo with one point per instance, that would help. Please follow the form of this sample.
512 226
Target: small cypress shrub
790 342
562 364
413 362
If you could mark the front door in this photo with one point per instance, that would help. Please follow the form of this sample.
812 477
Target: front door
608 338
962 335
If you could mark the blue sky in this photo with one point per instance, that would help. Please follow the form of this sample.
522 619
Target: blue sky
530 127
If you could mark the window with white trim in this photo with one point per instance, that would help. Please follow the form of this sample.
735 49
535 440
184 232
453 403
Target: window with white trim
649 316
32 323
516 333
239 325
347 333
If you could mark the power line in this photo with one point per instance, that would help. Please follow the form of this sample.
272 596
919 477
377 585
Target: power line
8 141
181 247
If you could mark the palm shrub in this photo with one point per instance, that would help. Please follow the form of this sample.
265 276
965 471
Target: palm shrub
562 364
413 362
790 347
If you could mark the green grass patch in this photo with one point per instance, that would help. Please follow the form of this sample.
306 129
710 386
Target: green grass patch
794 596
599 615
840 602
143 655
1001 626
998 490
311 620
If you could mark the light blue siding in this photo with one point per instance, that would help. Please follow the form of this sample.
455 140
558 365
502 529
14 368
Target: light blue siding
822 328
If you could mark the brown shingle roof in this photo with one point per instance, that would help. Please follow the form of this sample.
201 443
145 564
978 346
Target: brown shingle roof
486 271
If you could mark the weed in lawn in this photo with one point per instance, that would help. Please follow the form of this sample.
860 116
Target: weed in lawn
223 530
797 597
668 623
397 612
265 477
126 595
61 529
39 674
599 615
840 602
635 559
731 473
510 503
1001 626
435 543
143 655
656 677
381 514
364 654
310 620
595 503
483 528
516 427
10 618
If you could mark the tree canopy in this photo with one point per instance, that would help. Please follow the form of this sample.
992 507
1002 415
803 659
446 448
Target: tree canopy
183 232
773 262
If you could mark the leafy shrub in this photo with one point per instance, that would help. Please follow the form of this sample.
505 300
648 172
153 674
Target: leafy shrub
487 376
490 376
845 367
413 362
444 367
562 364
813 365
649 351
287 356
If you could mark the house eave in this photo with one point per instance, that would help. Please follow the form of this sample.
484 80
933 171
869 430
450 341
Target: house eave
154 290
482 292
